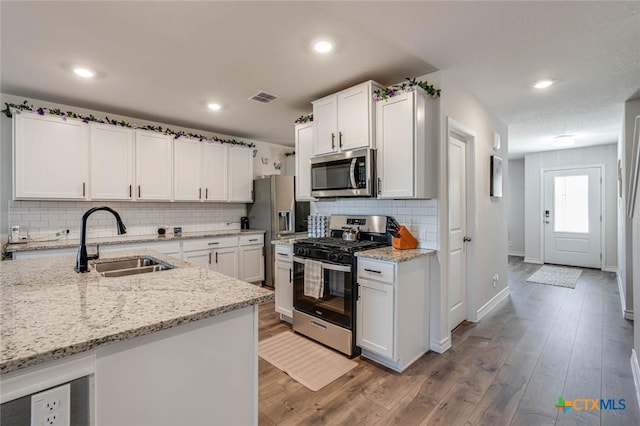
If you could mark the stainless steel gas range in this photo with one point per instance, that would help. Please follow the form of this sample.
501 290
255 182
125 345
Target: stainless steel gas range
324 287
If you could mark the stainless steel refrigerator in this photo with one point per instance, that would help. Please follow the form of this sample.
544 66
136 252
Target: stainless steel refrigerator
273 210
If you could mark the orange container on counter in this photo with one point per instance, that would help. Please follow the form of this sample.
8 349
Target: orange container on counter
406 240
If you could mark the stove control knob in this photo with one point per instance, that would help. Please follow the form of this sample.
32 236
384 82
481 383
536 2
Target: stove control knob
334 257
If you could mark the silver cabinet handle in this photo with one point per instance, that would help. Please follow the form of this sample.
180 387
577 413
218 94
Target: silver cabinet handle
371 270
253 239
213 244
84 185
379 186
333 141
466 239
216 257
206 194
290 275
199 193
283 254
317 325
130 191
209 258
340 139
139 191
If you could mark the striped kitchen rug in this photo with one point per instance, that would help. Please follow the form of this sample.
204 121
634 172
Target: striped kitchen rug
306 362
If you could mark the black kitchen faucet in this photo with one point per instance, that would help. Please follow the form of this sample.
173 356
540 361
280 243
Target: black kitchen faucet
82 262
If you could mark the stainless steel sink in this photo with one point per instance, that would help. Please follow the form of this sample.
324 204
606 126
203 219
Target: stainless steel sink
130 266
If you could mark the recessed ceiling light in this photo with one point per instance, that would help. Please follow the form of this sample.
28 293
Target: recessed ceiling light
214 107
84 72
564 140
323 46
543 84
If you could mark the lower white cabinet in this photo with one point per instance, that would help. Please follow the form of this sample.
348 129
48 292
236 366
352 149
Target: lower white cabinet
392 312
216 254
283 280
225 261
251 252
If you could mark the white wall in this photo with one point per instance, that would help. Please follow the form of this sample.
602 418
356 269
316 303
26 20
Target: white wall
42 218
516 207
578 157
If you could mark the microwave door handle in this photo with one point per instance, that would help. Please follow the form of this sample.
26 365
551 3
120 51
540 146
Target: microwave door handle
352 173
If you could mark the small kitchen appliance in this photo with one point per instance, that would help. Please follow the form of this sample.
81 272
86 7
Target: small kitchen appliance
324 280
244 222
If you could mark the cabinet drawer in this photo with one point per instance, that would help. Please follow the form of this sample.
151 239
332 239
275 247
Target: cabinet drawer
284 253
248 240
375 270
210 243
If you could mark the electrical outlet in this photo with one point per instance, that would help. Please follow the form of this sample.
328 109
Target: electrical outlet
51 407
496 278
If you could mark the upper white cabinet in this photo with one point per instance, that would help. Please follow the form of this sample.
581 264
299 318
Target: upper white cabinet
214 171
153 166
240 175
111 162
345 120
406 135
187 169
304 151
50 158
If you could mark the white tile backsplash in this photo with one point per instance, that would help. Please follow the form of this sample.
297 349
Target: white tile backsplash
44 218
419 216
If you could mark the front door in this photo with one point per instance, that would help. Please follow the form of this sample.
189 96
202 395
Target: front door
457 232
572 217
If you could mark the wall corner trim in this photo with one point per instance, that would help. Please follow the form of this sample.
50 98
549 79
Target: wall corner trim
495 300
635 369
533 260
441 346
610 269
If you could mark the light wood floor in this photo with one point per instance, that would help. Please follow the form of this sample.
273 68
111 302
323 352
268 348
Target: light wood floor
509 368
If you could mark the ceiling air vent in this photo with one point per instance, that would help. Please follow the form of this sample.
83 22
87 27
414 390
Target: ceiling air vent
264 97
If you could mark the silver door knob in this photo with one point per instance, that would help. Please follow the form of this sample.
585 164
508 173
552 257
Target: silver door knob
466 239
546 221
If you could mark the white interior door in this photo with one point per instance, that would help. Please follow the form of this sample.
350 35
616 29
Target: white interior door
457 232
572 217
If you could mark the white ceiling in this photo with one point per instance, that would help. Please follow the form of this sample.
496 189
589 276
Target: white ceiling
164 61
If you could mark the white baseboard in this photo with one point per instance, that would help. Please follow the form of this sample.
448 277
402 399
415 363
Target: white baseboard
635 369
610 269
495 300
442 345
628 314
533 260
516 253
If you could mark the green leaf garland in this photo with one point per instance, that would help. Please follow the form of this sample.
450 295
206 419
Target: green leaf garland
406 86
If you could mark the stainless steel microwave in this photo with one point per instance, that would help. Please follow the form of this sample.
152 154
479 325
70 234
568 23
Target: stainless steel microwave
346 174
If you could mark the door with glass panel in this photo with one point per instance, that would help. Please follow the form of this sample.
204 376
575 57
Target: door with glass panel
572 217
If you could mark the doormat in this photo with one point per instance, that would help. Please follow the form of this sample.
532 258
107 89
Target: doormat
560 276
306 362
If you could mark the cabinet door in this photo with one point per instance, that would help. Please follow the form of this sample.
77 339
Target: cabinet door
252 263
198 258
111 162
51 157
284 288
375 318
304 151
354 118
214 173
240 174
153 166
187 169
225 261
325 127
395 135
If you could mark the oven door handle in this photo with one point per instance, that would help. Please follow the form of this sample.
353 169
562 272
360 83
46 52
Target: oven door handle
352 173
330 266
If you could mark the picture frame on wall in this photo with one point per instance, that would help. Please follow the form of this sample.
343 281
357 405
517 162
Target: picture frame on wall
496 177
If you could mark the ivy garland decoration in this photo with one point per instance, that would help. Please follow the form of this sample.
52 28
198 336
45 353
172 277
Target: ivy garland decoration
304 119
289 154
11 108
407 86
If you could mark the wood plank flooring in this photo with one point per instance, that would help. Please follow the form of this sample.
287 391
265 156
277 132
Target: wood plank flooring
508 369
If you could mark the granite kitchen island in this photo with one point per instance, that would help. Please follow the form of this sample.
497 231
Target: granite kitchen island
162 348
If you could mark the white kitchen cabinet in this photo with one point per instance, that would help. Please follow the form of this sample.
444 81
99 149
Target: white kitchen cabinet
199 258
240 175
375 317
345 120
406 135
225 261
214 171
304 152
283 281
251 253
111 162
216 254
392 317
50 158
154 159
187 169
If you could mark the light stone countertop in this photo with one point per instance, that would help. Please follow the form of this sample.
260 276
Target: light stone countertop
390 254
126 239
289 240
48 311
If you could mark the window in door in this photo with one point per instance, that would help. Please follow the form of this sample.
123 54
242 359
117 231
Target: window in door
571 197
